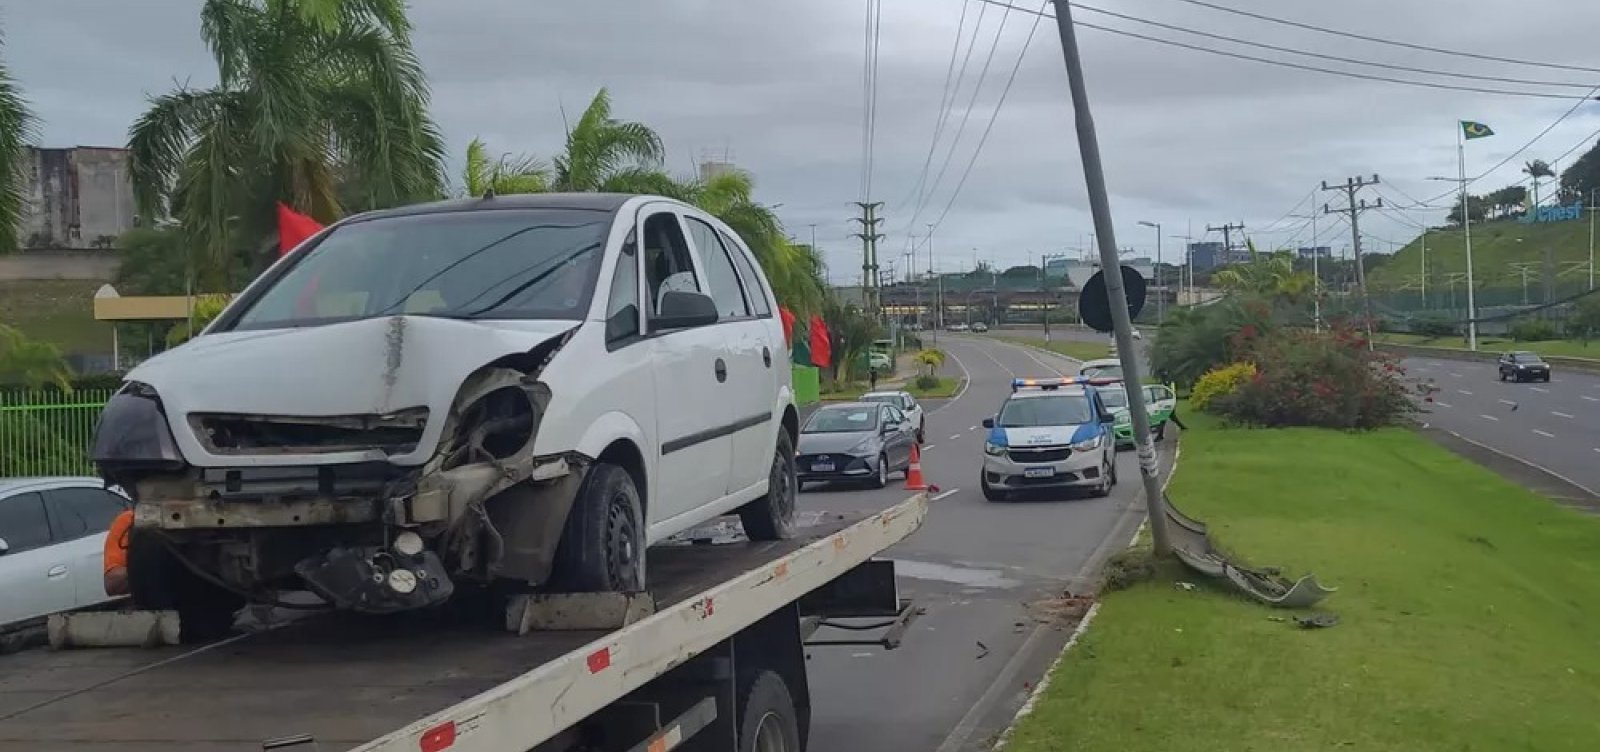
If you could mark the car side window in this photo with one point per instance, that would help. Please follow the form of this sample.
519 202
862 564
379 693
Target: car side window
622 307
668 266
908 402
752 277
726 288
76 512
23 522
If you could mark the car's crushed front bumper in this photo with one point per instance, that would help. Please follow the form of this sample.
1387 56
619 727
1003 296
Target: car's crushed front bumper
1043 467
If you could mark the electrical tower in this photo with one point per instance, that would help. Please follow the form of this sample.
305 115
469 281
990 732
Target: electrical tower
1227 238
1354 209
870 236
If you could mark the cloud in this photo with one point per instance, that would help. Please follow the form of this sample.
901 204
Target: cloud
1187 138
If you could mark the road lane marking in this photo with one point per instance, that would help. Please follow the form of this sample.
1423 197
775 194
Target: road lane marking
1507 402
1560 415
1490 417
957 436
944 494
972 428
1591 399
1443 404
1463 391
996 361
926 448
1539 389
1457 375
1545 434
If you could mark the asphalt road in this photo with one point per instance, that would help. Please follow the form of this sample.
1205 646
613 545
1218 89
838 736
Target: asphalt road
976 567
1555 426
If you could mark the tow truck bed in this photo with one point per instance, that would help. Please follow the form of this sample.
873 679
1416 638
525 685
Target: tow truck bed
420 682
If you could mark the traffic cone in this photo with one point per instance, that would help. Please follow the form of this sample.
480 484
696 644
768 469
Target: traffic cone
914 481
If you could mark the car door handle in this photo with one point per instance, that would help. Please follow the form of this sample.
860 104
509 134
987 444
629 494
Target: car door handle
57 571
722 370
766 356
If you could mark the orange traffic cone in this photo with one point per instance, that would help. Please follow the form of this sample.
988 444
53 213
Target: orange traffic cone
914 481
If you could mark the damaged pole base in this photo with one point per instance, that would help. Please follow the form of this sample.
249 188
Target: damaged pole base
113 629
558 612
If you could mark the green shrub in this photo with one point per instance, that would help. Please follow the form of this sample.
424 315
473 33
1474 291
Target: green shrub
1532 330
927 382
1323 379
1194 341
1220 382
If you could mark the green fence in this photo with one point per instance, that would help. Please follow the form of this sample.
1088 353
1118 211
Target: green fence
48 432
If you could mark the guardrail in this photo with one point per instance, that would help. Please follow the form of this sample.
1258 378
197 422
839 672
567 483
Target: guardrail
1586 365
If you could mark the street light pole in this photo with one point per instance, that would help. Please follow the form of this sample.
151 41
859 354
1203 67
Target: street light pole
1100 209
1161 293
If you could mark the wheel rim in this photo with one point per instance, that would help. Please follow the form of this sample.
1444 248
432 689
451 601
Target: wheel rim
883 471
782 484
769 734
622 555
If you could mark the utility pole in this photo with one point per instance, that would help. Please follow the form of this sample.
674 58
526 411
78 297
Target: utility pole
1424 267
1523 269
870 236
1188 260
1350 187
1100 208
1227 238
1316 271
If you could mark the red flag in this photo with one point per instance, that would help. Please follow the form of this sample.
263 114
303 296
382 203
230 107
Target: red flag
293 228
821 343
788 324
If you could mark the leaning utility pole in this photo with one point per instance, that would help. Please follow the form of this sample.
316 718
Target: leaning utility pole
870 236
1110 267
1227 238
1350 187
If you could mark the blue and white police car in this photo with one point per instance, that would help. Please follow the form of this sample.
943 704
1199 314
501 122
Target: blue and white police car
1051 434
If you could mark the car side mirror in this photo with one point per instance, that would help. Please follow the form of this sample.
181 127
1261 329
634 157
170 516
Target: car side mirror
681 309
988 422
1107 418
4 547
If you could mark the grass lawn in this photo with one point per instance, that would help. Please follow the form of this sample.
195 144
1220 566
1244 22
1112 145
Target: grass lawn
1075 349
60 312
1469 608
1568 347
948 386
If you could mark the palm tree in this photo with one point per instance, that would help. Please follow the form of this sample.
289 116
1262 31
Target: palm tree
313 96
609 155
1271 274
1537 169
16 128
506 175
31 363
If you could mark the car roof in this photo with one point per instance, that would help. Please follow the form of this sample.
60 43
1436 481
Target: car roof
850 405
887 393
1098 362
10 486
602 202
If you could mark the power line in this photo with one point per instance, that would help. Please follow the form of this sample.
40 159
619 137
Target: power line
869 95
947 98
1391 42
1525 147
1296 66
1322 56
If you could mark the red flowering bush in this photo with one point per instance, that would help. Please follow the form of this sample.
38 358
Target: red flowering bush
1327 379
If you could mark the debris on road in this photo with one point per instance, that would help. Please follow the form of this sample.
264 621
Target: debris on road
1192 545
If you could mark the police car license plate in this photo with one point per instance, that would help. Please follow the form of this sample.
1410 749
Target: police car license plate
822 467
1038 472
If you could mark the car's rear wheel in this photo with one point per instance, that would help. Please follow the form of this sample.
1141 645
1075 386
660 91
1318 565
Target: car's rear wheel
771 517
602 546
881 478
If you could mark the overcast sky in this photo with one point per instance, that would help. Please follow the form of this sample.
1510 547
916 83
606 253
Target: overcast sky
1187 137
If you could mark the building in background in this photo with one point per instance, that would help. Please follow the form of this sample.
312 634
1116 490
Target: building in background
79 197
1321 252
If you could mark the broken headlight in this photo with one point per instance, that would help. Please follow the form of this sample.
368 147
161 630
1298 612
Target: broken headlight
133 432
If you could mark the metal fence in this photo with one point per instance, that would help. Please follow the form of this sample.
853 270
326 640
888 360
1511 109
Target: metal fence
48 432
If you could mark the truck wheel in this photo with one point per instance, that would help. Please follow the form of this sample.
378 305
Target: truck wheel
602 546
157 581
771 517
767 720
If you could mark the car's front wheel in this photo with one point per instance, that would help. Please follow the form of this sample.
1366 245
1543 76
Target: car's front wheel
771 517
990 492
880 479
602 546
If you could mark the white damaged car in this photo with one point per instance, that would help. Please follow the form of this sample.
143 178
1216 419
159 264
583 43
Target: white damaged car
522 391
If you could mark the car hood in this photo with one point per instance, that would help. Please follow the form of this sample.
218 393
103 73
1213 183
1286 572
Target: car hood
1044 435
366 367
831 443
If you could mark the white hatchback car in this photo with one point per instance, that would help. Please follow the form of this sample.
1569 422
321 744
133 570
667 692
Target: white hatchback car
52 539
907 404
514 391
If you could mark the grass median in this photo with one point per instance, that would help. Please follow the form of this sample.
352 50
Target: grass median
1075 349
1469 611
947 387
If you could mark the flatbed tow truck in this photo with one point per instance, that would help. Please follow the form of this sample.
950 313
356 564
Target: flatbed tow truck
719 665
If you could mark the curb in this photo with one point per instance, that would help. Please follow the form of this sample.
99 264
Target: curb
1078 632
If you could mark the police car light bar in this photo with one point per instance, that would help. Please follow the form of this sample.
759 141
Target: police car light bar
1042 383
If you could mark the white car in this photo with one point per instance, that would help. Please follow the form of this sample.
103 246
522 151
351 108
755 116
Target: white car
515 391
1102 368
907 404
52 540
1051 435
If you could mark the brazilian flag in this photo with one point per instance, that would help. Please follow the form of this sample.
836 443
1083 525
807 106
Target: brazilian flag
1474 130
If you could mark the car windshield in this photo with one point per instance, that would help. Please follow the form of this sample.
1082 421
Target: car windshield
1058 410
502 264
1114 397
843 420
1527 358
1102 372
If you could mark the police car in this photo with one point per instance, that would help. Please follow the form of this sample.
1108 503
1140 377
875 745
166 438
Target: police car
1051 434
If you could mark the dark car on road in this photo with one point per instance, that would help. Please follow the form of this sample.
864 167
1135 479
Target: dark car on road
859 442
1522 365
